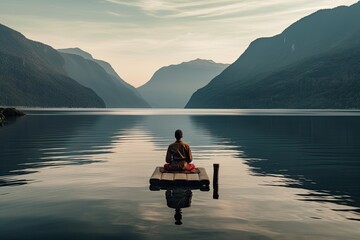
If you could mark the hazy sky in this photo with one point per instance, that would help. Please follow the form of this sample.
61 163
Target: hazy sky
139 36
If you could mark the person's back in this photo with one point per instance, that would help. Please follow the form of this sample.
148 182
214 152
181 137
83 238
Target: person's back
178 151
179 156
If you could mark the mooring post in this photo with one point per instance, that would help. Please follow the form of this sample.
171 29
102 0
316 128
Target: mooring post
216 181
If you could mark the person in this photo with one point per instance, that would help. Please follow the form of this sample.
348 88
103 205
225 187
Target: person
179 156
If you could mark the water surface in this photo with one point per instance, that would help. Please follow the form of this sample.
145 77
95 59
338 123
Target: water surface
83 174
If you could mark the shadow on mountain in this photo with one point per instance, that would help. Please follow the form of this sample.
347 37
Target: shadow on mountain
315 153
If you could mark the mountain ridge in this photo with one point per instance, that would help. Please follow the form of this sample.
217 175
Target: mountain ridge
92 73
31 74
171 86
312 35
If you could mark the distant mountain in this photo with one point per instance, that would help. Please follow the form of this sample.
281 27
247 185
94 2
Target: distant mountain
102 78
31 74
295 69
172 86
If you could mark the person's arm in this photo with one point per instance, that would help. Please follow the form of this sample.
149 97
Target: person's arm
189 157
168 155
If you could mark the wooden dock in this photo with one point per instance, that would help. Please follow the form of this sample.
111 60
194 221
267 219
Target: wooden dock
168 179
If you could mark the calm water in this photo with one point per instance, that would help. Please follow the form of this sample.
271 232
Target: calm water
83 174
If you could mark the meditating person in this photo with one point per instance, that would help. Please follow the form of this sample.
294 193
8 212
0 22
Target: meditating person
178 156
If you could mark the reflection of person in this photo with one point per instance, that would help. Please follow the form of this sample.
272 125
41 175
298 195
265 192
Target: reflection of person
178 156
178 198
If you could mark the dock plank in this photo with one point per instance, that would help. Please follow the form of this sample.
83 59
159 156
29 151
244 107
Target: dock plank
193 177
204 178
156 176
167 177
180 177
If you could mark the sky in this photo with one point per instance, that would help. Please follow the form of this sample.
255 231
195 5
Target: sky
137 37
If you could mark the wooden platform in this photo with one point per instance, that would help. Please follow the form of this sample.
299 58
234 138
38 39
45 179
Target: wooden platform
165 179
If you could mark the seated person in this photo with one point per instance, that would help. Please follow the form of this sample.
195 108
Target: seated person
178 156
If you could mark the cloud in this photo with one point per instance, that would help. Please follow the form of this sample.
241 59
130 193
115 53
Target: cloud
177 9
162 5
215 8
116 14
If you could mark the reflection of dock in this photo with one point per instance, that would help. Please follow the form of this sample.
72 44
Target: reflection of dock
166 180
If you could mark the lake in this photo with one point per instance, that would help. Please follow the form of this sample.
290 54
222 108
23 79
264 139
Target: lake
84 174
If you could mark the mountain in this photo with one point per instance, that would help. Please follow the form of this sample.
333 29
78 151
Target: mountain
102 78
172 86
276 72
31 74
105 65
330 80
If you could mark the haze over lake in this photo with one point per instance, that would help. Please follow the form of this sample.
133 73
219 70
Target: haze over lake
84 174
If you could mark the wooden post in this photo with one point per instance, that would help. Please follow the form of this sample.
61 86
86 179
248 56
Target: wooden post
216 181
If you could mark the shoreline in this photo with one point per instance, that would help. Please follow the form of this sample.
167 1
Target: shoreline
8 113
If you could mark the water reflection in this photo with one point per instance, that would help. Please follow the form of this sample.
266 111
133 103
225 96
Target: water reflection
203 146
177 199
315 153
38 141
103 193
